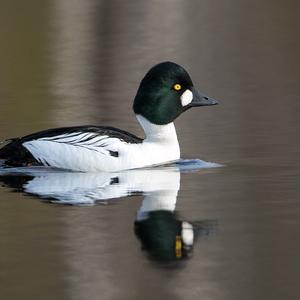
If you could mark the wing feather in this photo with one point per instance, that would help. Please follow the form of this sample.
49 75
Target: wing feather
76 148
90 141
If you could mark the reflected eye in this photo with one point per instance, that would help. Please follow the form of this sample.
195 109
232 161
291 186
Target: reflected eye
177 87
178 247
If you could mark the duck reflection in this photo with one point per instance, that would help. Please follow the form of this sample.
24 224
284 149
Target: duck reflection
163 234
91 188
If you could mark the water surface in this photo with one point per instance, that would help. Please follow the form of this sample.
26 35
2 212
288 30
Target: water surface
66 63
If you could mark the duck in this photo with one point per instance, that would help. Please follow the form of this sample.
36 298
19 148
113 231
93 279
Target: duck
165 92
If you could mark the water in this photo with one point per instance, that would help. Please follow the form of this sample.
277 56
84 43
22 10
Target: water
66 63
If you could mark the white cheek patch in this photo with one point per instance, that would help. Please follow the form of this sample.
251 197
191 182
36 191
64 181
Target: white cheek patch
186 98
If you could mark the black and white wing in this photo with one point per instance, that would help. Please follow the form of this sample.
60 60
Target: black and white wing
75 148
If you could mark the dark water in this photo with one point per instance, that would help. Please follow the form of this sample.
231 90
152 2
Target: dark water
80 62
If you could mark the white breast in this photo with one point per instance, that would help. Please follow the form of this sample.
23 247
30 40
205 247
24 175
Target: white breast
160 145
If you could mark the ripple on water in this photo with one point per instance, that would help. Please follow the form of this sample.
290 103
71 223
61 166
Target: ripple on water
181 164
195 164
80 188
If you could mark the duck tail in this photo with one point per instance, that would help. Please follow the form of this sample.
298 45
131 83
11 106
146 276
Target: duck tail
4 145
6 141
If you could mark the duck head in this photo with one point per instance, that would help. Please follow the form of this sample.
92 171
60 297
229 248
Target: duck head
165 92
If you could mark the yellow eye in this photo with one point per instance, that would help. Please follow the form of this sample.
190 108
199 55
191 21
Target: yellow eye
177 87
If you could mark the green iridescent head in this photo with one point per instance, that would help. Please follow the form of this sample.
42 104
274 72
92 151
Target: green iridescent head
165 92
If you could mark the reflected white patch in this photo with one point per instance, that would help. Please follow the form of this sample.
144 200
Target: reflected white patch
160 186
187 234
186 98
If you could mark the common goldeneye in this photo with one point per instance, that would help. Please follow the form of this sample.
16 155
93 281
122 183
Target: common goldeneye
165 92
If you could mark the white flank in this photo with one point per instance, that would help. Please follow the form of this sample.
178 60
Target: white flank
91 152
186 98
75 151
